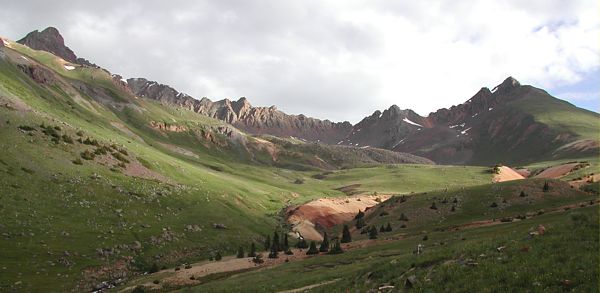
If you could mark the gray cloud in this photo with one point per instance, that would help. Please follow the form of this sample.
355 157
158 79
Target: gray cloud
319 58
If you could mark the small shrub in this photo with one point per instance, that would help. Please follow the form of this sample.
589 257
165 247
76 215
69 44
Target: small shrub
87 155
493 205
156 281
79 133
67 139
433 206
77 161
26 128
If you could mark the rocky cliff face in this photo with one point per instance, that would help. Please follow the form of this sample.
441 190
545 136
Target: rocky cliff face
241 114
50 40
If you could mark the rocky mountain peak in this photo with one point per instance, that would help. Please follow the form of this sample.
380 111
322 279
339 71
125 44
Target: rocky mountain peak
507 86
49 40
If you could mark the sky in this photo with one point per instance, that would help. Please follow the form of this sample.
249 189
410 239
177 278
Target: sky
337 60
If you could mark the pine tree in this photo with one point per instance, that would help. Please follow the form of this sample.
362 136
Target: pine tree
433 206
522 194
373 233
346 236
360 221
312 249
276 242
252 252
388 228
286 245
218 256
268 243
403 217
381 229
240 253
455 200
273 253
546 187
325 244
453 208
337 248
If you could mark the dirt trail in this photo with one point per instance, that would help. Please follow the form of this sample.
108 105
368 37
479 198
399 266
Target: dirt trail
328 212
305 288
557 171
507 174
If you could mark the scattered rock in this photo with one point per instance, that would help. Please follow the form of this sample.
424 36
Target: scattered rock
219 226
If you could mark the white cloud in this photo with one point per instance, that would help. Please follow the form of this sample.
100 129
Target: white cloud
330 59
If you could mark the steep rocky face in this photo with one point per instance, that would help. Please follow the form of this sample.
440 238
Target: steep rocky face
50 40
241 114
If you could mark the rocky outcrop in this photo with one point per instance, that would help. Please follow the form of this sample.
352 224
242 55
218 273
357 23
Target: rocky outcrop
50 40
38 74
241 114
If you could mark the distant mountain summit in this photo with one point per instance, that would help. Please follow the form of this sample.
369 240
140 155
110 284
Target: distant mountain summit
241 114
50 40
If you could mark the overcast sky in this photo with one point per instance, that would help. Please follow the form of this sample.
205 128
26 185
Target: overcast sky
339 60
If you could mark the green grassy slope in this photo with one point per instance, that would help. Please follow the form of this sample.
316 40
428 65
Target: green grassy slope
61 221
464 260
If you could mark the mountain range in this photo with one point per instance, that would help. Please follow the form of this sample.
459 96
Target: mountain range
503 124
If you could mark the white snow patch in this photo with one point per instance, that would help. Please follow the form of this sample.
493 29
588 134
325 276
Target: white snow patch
490 108
453 126
462 125
356 144
494 89
474 115
402 140
24 58
364 147
69 67
339 142
124 80
380 114
410 122
6 43
465 131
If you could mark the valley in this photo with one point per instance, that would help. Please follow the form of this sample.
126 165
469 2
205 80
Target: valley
127 185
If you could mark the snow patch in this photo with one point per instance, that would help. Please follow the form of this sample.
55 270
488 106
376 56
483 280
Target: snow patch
465 131
490 108
69 67
474 115
410 122
24 58
5 42
364 147
402 140
339 142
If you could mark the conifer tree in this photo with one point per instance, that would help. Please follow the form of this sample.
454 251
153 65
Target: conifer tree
240 253
218 256
268 243
381 229
388 228
546 187
346 236
337 248
286 245
325 244
373 233
302 243
433 206
276 242
273 253
252 252
312 249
